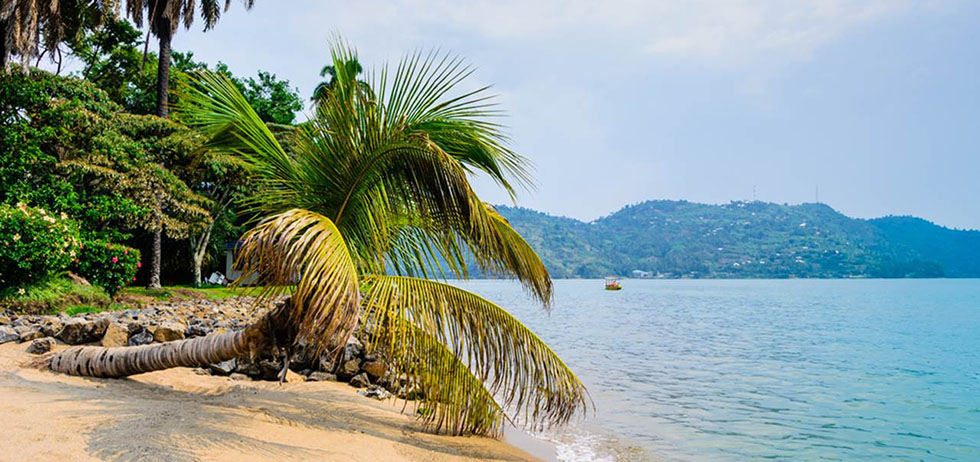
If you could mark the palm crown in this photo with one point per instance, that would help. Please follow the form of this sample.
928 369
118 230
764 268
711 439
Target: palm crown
377 184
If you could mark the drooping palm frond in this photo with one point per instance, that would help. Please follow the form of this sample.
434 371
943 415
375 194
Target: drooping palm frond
517 367
453 399
306 250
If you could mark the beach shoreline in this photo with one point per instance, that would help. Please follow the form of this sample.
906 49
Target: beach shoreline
180 415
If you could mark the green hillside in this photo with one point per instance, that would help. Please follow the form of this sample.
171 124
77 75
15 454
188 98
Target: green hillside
746 240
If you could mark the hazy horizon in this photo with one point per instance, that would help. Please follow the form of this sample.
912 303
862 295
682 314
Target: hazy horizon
875 102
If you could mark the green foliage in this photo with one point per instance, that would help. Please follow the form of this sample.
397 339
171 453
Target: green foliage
273 100
70 149
107 265
115 63
746 240
34 245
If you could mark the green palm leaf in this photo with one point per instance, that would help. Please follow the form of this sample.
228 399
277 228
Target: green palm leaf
517 367
305 250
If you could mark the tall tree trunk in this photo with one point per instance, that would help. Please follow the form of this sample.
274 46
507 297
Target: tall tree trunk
163 87
163 68
4 52
199 248
271 330
155 255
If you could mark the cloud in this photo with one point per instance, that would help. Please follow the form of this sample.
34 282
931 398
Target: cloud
723 32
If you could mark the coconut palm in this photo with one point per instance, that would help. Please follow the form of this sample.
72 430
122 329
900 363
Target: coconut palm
29 28
373 203
330 71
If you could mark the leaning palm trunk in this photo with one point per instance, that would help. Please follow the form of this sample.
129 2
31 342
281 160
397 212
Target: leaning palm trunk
271 330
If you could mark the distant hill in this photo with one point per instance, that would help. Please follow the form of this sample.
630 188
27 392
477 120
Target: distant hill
746 240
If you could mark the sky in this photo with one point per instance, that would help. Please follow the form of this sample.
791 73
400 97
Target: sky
874 103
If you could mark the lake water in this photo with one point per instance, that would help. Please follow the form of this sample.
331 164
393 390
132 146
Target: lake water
751 370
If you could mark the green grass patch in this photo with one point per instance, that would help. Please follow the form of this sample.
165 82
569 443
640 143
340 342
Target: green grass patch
52 296
169 293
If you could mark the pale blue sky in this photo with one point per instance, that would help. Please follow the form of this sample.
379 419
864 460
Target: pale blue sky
877 102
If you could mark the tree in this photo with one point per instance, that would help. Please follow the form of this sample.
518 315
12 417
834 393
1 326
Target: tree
378 185
29 28
164 16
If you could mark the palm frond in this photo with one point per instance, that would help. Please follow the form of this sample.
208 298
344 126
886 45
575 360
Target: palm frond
210 103
305 250
514 364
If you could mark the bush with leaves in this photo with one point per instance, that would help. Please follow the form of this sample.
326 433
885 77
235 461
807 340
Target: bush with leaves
107 265
35 244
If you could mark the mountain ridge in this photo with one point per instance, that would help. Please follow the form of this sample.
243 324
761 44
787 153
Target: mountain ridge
673 239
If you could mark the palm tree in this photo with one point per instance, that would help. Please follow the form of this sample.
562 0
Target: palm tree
375 186
28 28
330 70
164 16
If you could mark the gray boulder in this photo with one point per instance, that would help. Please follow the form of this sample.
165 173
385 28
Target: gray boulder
360 381
142 337
349 369
8 334
77 331
40 346
322 377
223 368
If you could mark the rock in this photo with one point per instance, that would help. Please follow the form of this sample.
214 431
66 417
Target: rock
224 367
196 330
4 321
142 337
101 324
50 326
77 331
247 367
322 377
293 377
237 376
354 349
28 333
376 369
270 369
375 392
360 380
168 332
8 334
40 346
116 335
349 369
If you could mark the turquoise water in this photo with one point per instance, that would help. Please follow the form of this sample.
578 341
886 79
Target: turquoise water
747 370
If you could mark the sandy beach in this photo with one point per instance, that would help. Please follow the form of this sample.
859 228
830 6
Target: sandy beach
178 415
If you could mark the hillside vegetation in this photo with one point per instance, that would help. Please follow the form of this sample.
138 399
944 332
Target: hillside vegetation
746 240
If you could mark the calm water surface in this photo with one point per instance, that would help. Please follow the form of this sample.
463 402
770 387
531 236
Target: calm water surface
751 370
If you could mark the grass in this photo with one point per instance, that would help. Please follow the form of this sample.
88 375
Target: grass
82 309
183 292
53 295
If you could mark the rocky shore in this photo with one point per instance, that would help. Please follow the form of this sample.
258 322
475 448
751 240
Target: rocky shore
167 321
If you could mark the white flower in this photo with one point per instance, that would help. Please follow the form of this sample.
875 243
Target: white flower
16 237
21 291
64 216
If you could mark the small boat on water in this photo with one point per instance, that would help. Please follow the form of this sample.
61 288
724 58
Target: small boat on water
612 283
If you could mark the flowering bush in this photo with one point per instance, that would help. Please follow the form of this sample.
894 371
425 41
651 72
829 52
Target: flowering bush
110 266
34 244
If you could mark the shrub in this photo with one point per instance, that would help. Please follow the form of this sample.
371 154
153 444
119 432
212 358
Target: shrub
110 266
34 245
